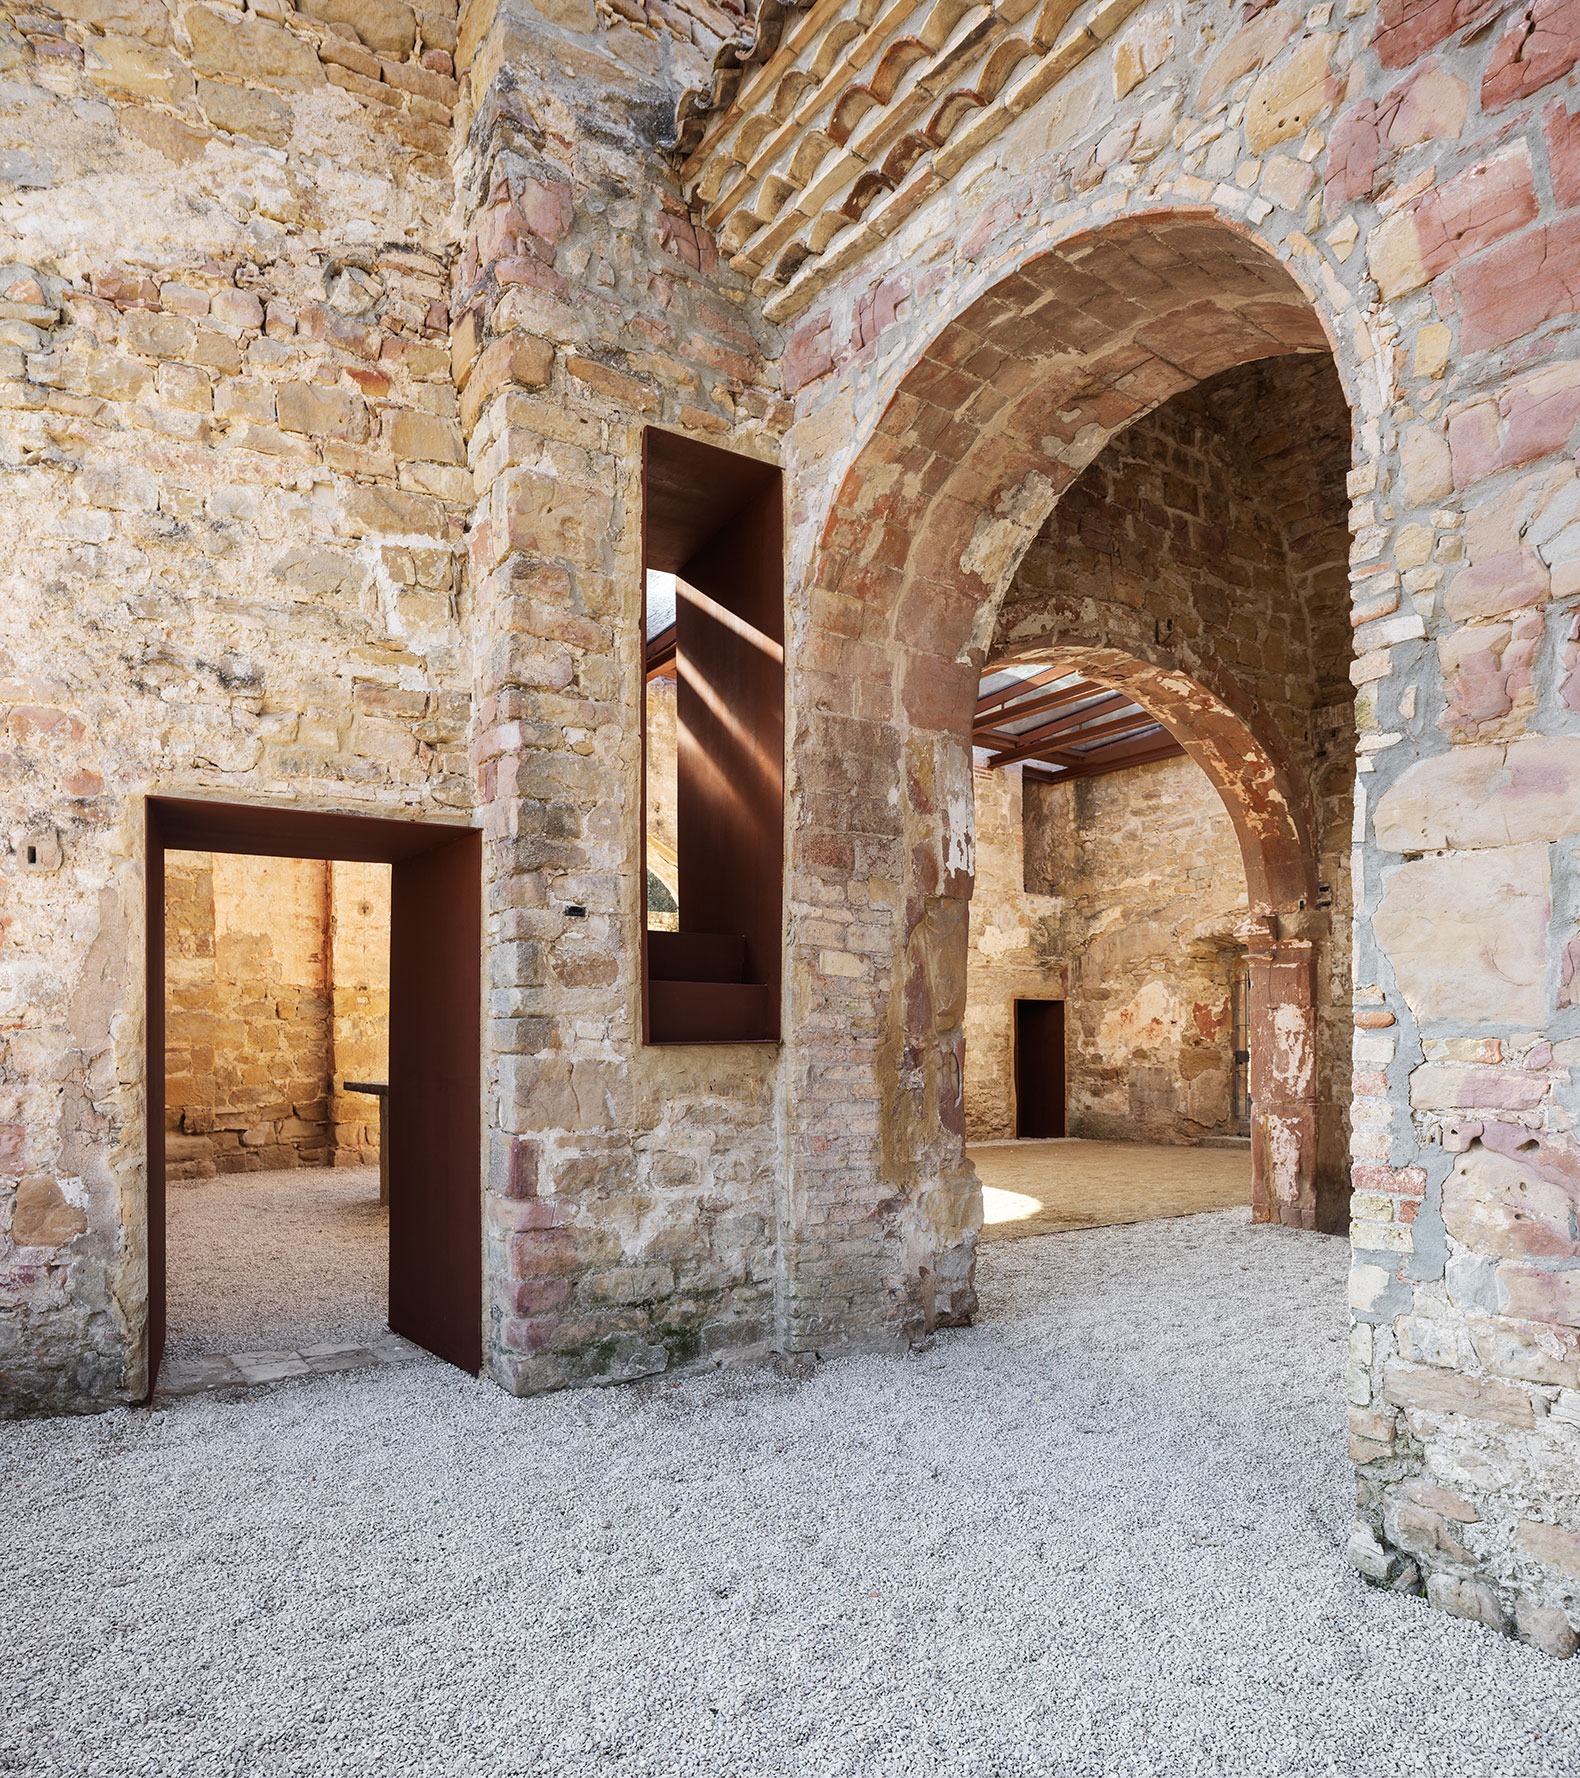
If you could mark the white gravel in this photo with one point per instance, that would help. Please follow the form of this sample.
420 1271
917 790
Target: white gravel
1099 1533
276 1261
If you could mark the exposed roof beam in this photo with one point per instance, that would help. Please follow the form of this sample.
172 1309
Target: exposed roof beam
1120 759
1060 700
1041 741
1114 705
1007 694
661 653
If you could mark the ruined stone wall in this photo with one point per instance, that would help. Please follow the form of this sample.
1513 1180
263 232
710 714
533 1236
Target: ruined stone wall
249 1039
359 951
235 497
1217 524
1018 952
1123 896
987 315
277 989
1148 868
634 1194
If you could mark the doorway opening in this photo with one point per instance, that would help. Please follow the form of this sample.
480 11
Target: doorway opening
314 1089
1163 741
1107 939
1039 1068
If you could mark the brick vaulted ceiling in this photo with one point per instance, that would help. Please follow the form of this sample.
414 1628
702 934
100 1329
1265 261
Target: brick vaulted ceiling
826 124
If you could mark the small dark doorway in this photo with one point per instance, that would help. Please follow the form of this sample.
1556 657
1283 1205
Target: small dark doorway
1039 1068
435 1060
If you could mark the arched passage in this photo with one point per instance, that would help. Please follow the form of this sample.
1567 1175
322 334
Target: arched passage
1277 851
988 427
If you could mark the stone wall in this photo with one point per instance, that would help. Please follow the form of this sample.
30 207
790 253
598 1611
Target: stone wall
277 989
235 496
248 1040
1123 896
1149 871
359 951
1393 185
633 1194
294 308
1217 522
1018 952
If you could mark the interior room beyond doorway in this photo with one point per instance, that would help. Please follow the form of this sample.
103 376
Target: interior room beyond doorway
277 1009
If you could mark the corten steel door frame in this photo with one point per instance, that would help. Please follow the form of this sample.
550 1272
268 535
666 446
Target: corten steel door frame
1023 1063
435 1130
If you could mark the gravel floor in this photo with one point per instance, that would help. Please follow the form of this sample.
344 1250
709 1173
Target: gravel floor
1099 1533
265 1261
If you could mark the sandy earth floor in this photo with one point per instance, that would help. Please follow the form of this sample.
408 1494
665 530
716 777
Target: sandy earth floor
1041 1188
276 1260
1099 1533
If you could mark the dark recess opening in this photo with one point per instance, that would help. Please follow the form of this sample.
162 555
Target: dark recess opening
435 1048
714 519
1039 1067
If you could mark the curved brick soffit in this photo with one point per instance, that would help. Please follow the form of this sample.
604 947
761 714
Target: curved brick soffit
996 417
825 126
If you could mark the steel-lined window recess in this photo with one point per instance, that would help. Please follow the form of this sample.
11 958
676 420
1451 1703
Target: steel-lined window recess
713 561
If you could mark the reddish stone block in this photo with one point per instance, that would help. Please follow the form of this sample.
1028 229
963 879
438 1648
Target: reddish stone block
1354 151
1475 209
1563 153
13 1147
1428 1390
1514 288
522 1179
1506 583
689 242
879 309
808 354
1406 29
1532 1293
527 1334
1539 44
542 1253
1407 1182
536 1296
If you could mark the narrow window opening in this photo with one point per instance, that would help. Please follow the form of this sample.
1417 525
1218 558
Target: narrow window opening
713 780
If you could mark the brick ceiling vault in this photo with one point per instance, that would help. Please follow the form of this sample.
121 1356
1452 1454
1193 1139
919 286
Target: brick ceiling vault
826 125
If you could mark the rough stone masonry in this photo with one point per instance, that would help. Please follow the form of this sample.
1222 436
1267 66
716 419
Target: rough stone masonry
327 338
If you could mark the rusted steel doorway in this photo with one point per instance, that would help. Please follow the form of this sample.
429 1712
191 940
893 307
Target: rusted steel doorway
435 1048
1039 1068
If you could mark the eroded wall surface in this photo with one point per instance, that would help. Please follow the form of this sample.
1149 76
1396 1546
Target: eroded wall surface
277 991
359 951
988 315
1124 897
235 500
249 1039
1018 952
1217 524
